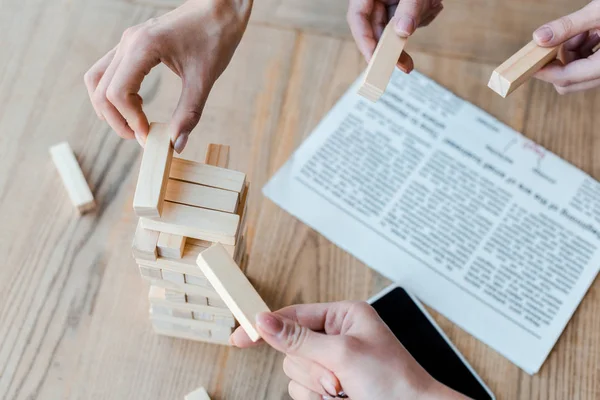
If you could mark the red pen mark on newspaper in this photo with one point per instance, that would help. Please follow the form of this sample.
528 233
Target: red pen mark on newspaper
538 150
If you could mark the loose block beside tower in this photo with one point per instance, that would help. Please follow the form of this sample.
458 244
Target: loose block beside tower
382 64
520 67
72 177
154 172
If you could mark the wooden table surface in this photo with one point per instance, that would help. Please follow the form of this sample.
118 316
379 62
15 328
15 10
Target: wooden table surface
73 309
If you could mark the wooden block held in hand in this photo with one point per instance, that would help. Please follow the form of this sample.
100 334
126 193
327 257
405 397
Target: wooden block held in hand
382 64
198 394
72 177
217 155
170 245
520 67
144 243
233 287
201 196
154 172
207 175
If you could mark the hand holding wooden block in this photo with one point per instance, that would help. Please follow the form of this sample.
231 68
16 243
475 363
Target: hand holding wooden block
520 67
154 172
234 288
72 177
382 64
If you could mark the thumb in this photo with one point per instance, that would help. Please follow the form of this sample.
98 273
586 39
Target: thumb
408 16
559 31
289 337
187 114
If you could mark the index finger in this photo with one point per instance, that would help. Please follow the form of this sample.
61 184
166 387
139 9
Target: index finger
124 88
359 13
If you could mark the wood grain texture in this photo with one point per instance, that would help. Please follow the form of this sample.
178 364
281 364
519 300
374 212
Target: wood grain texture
78 287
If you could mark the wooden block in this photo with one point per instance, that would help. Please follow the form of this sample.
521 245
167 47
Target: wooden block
154 172
157 296
201 196
191 323
144 243
185 265
234 288
520 67
207 175
216 302
197 299
204 244
72 177
150 273
170 245
196 280
199 223
174 277
198 394
224 321
217 155
189 290
382 64
188 334
168 311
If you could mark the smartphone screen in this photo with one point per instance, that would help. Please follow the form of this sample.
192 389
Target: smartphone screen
427 345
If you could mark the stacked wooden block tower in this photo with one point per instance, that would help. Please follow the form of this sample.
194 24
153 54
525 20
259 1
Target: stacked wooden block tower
185 207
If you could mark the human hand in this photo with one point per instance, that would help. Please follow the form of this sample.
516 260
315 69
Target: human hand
343 346
368 18
578 67
196 41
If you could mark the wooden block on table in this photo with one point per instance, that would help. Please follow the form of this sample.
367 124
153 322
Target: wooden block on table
201 196
154 172
217 155
233 286
520 67
72 177
150 273
382 64
174 277
191 323
198 394
188 334
170 245
169 311
207 175
199 223
144 243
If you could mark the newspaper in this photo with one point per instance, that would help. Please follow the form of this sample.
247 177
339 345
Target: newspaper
490 229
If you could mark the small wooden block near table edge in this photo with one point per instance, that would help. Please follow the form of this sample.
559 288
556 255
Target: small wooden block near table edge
154 172
233 286
72 177
382 64
520 67
198 394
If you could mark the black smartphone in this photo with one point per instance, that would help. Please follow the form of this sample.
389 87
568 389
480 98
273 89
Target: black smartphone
426 342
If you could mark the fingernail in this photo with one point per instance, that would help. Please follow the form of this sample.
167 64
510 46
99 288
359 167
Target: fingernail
543 34
181 141
139 138
328 386
269 323
405 25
